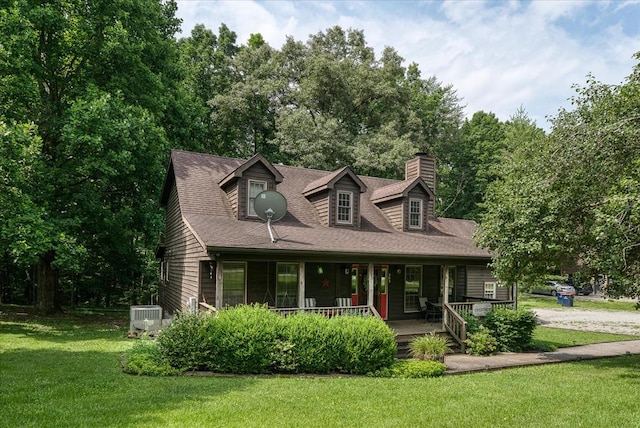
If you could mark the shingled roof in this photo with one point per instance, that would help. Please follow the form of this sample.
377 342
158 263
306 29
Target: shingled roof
205 208
329 180
399 189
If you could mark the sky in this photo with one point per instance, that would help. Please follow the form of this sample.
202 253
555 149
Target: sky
498 55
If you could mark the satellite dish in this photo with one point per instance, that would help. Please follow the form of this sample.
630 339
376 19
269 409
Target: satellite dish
271 206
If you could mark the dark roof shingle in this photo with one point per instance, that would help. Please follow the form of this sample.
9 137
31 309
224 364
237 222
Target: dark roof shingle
206 209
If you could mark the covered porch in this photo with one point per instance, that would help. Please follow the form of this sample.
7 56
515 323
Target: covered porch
392 288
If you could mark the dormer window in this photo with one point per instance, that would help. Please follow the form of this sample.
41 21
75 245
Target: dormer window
245 181
415 214
336 198
405 204
254 188
344 207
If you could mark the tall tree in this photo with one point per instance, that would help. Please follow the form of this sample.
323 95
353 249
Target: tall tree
439 110
20 216
469 166
244 114
92 76
206 66
574 196
345 107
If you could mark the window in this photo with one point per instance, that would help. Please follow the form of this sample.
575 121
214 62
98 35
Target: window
344 207
415 214
233 283
287 285
255 187
164 270
412 288
452 282
354 281
489 290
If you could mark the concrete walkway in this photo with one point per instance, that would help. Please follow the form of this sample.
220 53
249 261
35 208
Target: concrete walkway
463 363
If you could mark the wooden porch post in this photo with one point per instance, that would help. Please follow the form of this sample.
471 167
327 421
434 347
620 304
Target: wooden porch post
219 276
445 280
370 279
301 285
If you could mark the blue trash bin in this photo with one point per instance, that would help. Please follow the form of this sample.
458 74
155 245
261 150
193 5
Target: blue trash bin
567 299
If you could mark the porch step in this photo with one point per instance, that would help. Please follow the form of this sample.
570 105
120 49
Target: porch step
404 340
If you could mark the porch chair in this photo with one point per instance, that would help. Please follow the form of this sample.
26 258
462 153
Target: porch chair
430 310
310 302
343 301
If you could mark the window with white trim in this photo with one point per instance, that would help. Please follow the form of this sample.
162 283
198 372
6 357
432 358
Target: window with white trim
254 188
234 283
344 207
412 288
489 290
287 285
415 213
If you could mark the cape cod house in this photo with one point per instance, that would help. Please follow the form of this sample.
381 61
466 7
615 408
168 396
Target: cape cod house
345 241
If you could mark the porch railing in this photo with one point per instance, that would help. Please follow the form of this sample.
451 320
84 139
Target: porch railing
467 307
330 311
455 324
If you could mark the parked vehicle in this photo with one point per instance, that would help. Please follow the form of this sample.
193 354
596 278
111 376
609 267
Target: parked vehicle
584 289
553 288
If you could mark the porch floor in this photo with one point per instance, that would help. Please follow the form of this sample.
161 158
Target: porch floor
414 327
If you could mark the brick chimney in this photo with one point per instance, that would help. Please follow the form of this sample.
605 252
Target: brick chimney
423 166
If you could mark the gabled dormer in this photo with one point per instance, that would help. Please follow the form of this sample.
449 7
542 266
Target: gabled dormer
336 198
405 204
244 183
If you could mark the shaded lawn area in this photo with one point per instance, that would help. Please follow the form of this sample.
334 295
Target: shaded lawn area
67 373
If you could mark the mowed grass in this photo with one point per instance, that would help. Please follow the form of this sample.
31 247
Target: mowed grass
530 301
562 338
66 373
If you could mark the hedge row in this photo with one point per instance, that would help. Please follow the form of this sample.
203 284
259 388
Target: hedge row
253 339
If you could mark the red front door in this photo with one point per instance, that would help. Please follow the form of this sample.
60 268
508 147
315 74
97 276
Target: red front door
360 287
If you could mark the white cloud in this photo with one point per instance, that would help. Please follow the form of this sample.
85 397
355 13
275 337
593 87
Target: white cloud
497 55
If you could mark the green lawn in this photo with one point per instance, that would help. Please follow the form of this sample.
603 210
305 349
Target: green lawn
66 372
562 338
529 301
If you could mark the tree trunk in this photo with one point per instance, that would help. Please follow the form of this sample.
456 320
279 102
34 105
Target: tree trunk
47 291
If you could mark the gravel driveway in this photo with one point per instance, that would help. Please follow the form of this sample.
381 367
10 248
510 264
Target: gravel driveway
591 320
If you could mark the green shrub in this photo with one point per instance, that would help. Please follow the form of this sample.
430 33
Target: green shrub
513 329
411 369
242 339
473 322
185 343
314 346
419 369
235 340
283 358
146 358
481 342
431 347
252 339
540 346
362 344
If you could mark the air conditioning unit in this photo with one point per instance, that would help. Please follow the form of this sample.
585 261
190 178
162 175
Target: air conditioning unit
146 318
192 305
